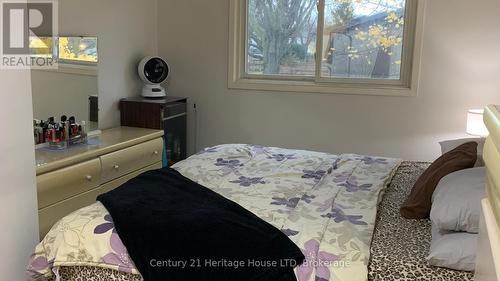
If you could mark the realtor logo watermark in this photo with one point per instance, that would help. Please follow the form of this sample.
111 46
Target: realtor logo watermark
29 31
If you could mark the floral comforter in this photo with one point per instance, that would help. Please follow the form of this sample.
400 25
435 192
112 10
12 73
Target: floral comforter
325 203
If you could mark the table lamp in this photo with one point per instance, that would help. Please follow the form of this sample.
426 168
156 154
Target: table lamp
475 124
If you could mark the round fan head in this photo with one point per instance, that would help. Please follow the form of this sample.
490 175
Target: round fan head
153 70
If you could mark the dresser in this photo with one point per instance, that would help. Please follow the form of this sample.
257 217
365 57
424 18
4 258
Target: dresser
71 179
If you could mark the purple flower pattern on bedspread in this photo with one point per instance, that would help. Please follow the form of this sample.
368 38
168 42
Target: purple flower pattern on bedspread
290 232
307 198
281 157
105 227
368 160
119 256
342 177
38 264
352 185
228 163
246 182
290 203
228 166
322 202
315 175
338 215
317 261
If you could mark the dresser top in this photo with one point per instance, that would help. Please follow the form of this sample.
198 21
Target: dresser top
167 99
108 141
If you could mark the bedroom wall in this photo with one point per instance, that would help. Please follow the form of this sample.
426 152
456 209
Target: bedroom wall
18 215
126 31
460 70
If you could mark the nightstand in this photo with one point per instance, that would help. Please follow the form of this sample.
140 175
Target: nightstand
168 114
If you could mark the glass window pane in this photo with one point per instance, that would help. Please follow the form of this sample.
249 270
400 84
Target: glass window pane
281 37
363 39
41 46
83 49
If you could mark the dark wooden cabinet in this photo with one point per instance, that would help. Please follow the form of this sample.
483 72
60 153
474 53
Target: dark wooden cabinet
168 114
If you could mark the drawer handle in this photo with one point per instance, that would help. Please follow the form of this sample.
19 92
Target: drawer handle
116 167
155 152
88 178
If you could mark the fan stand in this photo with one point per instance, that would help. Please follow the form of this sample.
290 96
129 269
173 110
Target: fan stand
153 91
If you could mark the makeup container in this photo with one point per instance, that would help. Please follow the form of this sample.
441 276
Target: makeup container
38 132
77 132
59 135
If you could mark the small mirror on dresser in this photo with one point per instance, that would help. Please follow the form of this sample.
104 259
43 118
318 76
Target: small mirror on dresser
68 91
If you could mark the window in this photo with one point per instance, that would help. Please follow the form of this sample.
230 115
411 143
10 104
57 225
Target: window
41 46
78 49
67 50
331 46
76 55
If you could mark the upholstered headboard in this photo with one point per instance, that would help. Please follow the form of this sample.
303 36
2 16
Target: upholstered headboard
492 158
488 257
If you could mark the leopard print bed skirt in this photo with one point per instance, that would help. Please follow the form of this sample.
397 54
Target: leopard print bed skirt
398 251
399 245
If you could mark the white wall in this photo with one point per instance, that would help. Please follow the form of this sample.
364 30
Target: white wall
18 216
460 70
61 93
126 31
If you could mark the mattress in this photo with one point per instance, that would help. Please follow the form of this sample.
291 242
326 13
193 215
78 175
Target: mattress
398 248
325 203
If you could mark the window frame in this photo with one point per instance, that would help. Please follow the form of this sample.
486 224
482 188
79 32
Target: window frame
406 86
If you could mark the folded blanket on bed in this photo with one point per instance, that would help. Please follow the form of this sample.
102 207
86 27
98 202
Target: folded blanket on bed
175 229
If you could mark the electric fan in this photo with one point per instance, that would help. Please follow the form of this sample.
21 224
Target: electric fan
153 71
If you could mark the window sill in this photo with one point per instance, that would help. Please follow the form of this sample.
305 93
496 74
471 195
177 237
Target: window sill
323 88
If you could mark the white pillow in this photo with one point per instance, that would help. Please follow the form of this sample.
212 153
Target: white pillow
456 202
452 144
454 250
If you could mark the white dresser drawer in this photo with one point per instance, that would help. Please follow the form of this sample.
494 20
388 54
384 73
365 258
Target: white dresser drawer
50 215
122 162
67 182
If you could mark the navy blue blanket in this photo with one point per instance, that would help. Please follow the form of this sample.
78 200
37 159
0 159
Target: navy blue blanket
177 230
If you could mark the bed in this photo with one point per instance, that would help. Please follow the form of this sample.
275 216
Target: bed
488 257
326 204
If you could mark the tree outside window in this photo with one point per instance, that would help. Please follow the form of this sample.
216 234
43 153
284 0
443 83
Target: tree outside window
360 38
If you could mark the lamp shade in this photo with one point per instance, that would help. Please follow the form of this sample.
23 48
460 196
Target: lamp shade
475 124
